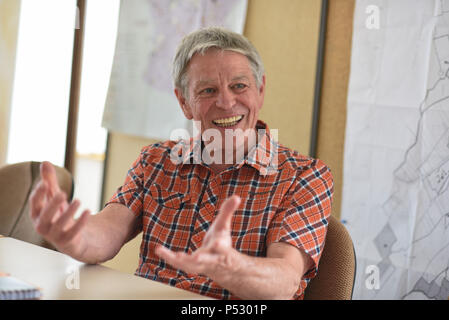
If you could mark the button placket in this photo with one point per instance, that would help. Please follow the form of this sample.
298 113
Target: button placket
207 213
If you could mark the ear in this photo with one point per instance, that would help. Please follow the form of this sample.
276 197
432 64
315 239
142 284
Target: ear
184 105
262 92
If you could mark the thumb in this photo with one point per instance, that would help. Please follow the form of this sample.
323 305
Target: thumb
227 209
48 174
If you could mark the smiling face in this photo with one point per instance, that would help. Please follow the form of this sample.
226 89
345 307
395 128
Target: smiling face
222 92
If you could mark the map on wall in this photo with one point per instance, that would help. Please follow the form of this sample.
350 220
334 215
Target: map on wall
140 100
396 172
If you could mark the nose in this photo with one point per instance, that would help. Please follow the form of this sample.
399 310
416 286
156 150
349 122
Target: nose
225 99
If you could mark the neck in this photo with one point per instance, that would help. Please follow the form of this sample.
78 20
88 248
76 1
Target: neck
221 159
217 168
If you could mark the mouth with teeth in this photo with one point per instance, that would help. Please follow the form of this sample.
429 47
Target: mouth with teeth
228 122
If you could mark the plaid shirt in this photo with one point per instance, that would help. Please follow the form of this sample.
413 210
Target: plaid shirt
176 204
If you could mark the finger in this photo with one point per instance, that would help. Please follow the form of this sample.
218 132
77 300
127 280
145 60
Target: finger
77 227
67 215
175 259
227 209
48 174
197 263
165 253
208 260
38 199
46 217
190 263
64 206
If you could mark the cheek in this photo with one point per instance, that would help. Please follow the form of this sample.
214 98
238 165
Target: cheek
196 108
253 107
204 109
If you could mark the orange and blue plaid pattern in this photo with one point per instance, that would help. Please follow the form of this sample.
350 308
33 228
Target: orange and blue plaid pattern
177 203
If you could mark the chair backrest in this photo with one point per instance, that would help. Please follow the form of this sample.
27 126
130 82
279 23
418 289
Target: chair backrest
337 266
16 184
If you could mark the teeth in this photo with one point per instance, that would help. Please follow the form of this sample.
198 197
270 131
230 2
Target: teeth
228 120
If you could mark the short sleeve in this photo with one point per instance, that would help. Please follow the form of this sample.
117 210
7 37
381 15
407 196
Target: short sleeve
130 193
302 219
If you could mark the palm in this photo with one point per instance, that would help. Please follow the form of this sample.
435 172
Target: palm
52 215
214 252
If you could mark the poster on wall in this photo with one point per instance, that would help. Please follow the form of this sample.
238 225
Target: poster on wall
141 100
396 163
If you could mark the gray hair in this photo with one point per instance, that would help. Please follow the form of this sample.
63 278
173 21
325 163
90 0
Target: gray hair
213 37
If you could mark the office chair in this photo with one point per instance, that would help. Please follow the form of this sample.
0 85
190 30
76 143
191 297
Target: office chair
337 266
17 182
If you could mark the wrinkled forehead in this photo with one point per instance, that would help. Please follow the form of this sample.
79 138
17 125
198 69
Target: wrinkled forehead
218 55
216 62
201 51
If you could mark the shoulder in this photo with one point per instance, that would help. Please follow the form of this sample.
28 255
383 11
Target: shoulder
306 173
157 152
312 186
292 160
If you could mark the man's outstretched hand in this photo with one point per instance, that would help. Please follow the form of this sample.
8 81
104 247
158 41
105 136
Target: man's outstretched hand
52 215
215 254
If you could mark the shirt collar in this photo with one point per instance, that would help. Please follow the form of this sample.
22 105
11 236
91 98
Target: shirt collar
263 156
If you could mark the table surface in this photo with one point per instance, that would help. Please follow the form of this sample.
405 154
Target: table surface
61 277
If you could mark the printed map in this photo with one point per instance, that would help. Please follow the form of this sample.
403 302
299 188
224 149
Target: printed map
141 101
396 175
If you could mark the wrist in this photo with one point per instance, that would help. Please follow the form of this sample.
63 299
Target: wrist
76 248
233 263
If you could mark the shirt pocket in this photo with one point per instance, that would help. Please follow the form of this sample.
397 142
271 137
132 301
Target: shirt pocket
262 202
167 218
250 226
167 199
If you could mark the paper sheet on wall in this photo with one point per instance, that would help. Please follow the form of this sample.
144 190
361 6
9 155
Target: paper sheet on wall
396 171
140 98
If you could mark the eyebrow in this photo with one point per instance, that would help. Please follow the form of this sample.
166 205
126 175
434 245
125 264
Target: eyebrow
201 83
240 78
206 82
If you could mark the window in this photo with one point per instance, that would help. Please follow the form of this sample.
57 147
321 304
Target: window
99 44
39 111
40 98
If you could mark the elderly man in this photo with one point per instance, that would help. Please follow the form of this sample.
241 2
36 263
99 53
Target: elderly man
249 228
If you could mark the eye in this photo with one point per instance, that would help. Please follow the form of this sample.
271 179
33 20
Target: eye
239 86
208 91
